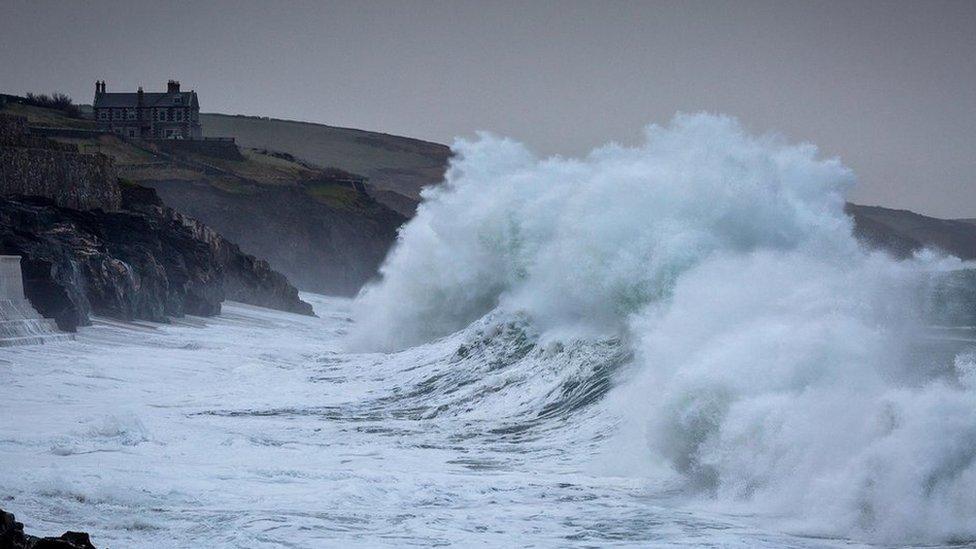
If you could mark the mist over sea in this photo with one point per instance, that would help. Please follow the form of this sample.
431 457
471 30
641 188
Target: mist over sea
678 343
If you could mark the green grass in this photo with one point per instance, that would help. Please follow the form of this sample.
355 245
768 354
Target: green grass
232 186
400 164
334 195
40 116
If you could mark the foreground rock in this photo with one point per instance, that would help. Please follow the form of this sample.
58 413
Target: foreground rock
145 261
12 536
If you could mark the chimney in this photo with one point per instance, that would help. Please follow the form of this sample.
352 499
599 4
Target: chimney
172 87
139 96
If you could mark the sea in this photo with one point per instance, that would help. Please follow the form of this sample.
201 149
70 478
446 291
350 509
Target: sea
673 344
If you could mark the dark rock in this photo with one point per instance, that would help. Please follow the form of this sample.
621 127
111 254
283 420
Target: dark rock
137 197
321 247
150 264
12 536
11 532
246 278
67 540
125 265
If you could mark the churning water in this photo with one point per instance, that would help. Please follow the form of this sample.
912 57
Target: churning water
673 344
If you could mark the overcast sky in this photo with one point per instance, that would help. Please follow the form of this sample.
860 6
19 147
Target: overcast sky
890 87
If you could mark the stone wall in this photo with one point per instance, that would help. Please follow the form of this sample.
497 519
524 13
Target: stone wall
12 128
32 165
20 324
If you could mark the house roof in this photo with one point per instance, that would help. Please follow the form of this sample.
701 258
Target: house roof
150 99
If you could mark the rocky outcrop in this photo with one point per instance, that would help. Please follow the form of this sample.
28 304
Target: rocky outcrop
121 264
12 536
322 244
245 278
149 263
36 166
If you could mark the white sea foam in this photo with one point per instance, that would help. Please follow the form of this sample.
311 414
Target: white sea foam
673 344
778 366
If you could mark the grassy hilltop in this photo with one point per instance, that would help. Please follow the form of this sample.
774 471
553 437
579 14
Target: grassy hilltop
248 172
397 167
392 163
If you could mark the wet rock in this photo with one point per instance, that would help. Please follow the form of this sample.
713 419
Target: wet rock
150 263
12 536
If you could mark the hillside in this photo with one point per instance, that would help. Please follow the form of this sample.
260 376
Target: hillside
902 232
309 222
399 164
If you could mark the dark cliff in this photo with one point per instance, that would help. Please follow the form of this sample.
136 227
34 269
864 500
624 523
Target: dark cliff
150 263
245 278
325 239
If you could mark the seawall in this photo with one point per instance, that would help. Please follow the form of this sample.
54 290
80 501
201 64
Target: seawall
20 324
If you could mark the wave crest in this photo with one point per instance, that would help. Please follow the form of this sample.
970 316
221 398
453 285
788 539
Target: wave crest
776 364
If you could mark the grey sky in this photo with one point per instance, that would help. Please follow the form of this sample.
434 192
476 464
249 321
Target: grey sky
890 87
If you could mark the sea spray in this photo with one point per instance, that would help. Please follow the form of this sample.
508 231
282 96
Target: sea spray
775 361
582 244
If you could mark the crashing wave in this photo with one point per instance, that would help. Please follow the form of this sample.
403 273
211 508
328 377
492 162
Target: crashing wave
776 364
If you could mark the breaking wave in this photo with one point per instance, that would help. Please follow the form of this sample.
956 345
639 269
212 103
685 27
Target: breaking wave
701 294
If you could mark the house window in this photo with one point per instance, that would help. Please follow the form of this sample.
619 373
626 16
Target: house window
132 132
179 115
130 114
117 114
102 114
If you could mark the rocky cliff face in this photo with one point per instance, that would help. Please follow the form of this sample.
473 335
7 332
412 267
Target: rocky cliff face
146 262
330 245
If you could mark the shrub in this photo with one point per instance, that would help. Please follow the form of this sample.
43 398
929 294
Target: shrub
56 100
